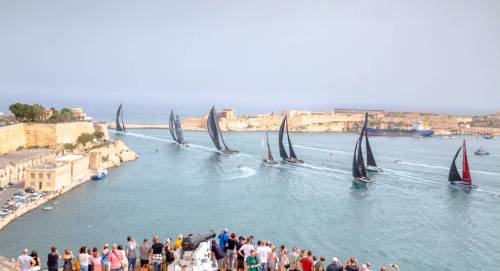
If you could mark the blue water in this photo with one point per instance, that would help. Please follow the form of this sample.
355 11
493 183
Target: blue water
409 216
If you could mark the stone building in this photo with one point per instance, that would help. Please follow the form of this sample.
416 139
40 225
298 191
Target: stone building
48 177
79 163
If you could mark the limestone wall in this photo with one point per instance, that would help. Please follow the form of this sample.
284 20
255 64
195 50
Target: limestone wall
11 137
51 135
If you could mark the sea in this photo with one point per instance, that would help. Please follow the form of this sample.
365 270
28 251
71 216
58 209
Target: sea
410 215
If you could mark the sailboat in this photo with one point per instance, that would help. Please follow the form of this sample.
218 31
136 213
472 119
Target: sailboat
174 125
293 157
216 133
119 116
371 165
454 176
267 155
358 165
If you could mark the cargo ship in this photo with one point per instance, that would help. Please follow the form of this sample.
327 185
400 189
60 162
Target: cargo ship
419 130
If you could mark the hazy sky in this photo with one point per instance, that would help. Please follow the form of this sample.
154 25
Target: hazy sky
419 55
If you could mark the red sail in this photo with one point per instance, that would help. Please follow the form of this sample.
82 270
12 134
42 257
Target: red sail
465 169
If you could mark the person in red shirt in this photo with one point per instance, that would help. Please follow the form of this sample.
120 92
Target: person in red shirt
307 263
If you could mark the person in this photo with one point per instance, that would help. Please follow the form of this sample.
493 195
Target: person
389 267
306 263
294 259
252 261
53 259
320 265
169 255
157 253
231 245
144 250
365 267
240 257
115 258
106 262
83 259
272 259
36 265
25 261
335 265
67 260
283 263
89 253
131 253
178 242
246 248
123 257
223 239
219 255
96 260
263 252
351 265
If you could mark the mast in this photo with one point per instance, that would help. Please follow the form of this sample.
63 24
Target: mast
292 153
454 176
361 162
355 167
117 121
466 178
178 130
283 153
269 153
219 130
171 126
212 129
370 159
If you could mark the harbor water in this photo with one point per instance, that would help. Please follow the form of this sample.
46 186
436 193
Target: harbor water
409 216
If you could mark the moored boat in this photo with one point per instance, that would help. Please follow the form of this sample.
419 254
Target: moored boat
488 137
100 175
481 152
216 134
292 158
419 130
454 177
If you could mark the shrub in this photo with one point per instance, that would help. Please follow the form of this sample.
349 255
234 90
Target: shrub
85 138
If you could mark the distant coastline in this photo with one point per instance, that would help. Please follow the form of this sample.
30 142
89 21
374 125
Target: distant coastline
342 120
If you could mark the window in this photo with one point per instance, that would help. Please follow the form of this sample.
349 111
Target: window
32 175
48 176
40 175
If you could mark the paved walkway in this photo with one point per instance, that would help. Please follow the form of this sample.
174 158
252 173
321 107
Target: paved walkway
6 264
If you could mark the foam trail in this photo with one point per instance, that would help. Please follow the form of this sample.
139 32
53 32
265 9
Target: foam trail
320 150
447 168
246 172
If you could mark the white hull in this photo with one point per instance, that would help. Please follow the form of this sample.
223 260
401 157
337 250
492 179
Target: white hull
374 169
293 161
462 185
362 180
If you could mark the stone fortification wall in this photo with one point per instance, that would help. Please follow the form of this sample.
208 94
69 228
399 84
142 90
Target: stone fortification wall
51 135
11 138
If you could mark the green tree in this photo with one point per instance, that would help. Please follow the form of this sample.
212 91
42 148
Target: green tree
85 138
19 110
98 134
69 146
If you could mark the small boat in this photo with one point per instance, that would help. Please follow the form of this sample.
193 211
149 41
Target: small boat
100 175
216 134
267 155
293 157
448 137
398 161
454 176
119 116
371 165
358 166
481 152
47 208
488 137
176 130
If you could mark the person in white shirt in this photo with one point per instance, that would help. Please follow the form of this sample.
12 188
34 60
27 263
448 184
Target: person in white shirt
84 259
25 261
263 252
245 249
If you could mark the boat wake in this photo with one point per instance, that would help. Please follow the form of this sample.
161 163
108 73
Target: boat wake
445 168
245 173
320 150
